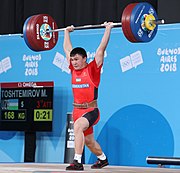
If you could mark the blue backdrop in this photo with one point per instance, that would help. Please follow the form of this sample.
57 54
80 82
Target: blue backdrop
138 95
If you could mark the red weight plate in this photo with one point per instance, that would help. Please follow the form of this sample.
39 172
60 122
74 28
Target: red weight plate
24 32
126 22
126 26
29 34
35 39
50 39
37 36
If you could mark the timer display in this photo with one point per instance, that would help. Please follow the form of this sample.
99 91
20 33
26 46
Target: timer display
42 114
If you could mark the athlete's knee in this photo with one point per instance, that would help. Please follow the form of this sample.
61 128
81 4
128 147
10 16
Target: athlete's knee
77 128
90 142
80 126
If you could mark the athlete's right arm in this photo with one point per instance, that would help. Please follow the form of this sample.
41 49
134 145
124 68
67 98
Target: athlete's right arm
67 45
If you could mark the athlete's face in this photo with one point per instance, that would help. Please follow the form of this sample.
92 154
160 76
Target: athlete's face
78 62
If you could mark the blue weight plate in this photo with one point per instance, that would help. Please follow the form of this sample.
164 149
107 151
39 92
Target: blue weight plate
137 18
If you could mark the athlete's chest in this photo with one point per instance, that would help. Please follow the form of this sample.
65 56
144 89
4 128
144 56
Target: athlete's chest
80 76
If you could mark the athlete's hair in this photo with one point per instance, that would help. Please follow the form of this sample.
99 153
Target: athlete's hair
78 50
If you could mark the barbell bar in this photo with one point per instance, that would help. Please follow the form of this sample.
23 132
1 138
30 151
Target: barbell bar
84 27
155 22
139 23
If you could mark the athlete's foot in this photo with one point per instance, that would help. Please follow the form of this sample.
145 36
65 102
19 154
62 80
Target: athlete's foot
100 164
75 166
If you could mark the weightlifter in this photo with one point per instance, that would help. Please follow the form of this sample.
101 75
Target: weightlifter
85 82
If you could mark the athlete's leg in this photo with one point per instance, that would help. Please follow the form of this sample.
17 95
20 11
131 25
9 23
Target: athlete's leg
80 125
95 148
93 145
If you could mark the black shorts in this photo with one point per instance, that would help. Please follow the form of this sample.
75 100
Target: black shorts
92 116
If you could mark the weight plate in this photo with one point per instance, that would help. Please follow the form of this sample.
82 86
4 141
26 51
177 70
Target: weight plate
25 28
36 34
125 19
31 34
139 12
28 33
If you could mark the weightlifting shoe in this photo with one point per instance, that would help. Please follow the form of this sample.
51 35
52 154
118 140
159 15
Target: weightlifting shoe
100 164
75 166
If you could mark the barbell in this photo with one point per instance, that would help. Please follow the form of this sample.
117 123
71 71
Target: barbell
139 23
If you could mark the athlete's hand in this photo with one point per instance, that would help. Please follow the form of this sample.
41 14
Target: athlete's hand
108 24
70 28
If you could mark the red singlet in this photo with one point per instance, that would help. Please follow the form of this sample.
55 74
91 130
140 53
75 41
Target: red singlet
85 84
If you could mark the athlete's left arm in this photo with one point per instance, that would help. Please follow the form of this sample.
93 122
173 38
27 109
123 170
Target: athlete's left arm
99 56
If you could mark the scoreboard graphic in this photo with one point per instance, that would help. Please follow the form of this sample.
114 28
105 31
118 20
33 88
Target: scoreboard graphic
26 106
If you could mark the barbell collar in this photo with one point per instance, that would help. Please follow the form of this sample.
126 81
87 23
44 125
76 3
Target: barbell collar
158 22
